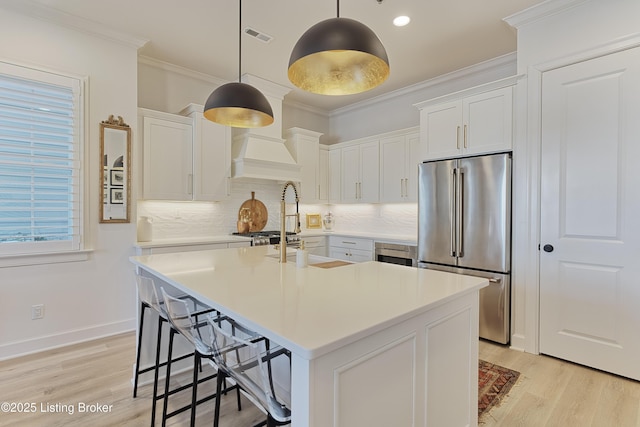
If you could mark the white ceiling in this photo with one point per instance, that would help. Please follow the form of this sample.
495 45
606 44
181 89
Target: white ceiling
202 35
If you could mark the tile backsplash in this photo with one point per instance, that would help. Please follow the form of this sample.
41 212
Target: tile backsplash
201 219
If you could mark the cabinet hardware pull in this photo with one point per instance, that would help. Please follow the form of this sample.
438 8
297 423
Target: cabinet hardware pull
465 136
460 208
458 137
452 218
190 184
348 243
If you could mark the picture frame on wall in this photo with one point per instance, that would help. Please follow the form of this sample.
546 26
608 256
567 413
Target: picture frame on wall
313 221
117 196
117 177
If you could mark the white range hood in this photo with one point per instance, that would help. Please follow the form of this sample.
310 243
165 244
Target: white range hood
258 156
261 152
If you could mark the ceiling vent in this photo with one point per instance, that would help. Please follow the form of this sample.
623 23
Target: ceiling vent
265 38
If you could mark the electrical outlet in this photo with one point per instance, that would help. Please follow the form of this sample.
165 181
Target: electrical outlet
37 311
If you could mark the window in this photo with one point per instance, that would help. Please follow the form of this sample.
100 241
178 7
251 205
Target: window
40 161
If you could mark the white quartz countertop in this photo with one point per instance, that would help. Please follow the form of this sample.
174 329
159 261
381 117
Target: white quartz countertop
312 310
203 240
187 241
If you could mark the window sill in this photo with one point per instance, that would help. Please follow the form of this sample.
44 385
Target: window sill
21 260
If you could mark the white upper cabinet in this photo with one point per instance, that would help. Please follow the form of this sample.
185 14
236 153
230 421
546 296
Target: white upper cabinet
184 158
211 157
399 168
360 173
323 174
167 156
304 146
335 174
474 124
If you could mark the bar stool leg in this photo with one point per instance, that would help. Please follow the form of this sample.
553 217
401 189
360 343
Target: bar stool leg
220 380
156 372
194 391
167 378
143 308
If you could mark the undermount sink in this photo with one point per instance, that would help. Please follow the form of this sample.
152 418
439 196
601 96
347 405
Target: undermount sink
314 260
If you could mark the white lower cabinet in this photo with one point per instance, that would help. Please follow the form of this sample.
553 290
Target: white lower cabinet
350 249
316 245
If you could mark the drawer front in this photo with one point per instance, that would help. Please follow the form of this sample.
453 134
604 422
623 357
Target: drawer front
314 242
351 242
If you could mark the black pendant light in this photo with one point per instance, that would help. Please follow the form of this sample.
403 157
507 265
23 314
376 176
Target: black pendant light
338 56
238 104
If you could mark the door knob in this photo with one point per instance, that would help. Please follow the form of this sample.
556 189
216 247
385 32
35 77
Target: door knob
547 248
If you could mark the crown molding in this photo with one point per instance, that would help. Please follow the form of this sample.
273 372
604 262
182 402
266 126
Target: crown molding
177 69
540 11
482 67
49 14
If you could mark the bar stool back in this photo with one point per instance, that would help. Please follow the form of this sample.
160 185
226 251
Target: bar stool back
247 357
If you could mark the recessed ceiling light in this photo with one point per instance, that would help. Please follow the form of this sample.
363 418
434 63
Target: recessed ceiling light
401 21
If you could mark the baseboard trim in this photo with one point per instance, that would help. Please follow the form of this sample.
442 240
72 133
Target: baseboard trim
49 342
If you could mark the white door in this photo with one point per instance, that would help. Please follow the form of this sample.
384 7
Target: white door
590 213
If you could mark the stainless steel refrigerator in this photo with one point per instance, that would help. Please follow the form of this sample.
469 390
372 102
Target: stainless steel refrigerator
464 226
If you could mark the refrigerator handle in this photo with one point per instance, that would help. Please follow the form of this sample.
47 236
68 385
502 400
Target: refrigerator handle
460 213
452 213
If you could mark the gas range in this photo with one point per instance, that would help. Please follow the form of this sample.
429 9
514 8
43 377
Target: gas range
261 238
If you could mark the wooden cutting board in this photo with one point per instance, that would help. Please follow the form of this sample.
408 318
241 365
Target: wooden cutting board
258 212
330 264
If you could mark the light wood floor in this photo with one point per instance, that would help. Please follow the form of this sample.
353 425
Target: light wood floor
553 392
100 372
550 392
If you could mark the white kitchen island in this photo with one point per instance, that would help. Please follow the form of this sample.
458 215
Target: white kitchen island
372 344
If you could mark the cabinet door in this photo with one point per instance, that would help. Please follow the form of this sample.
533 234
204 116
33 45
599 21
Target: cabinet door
411 168
360 256
339 253
308 154
323 175
369 172
441 127
350 175
488 121
211 161
392 169
335 175
167 160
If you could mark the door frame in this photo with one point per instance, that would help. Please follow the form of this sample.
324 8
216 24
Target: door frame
527 157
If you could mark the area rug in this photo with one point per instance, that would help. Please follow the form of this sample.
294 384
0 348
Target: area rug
494 383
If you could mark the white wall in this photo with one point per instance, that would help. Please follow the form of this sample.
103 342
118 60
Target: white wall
82 299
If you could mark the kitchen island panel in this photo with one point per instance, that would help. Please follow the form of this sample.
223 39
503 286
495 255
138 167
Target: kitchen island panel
422 372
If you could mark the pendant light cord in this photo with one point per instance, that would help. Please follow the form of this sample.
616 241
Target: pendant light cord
240 42
338 8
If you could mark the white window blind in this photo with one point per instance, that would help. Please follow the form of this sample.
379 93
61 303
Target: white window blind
40 167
